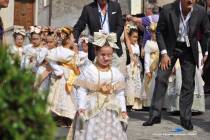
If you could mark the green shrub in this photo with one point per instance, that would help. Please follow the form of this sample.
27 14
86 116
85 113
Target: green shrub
23 114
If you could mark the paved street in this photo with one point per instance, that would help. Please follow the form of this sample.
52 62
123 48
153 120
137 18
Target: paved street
169 129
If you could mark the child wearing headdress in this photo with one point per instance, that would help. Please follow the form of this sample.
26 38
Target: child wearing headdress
151 60
16 50
44 70
101 113
64 61
134 83
31 58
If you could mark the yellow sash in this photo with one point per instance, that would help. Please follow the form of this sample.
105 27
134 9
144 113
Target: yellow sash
153 67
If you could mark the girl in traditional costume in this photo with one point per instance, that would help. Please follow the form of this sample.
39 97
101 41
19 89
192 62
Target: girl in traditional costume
17 49
30 52
100 88
64 61
44 70
134 82
151 60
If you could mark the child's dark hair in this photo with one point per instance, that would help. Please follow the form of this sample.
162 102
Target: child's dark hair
17 34
33 33
132 30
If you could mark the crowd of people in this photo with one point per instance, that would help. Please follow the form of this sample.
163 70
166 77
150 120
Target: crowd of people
94 79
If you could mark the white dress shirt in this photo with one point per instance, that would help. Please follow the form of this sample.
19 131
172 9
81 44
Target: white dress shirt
104 24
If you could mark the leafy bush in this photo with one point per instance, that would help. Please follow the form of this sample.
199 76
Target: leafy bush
23 114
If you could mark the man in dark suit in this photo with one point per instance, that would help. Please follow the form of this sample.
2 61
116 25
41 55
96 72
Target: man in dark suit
103 15
177 30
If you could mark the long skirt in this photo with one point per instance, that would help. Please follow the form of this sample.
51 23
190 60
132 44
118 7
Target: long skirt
104 126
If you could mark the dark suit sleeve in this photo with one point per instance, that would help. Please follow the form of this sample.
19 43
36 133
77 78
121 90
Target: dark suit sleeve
81 24
161 28
205 29
119 19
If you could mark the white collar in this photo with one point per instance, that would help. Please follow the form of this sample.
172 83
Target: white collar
180 7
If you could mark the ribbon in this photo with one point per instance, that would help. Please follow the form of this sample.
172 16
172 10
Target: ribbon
101 38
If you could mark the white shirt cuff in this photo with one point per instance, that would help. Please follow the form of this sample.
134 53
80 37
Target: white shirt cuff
163 51
206 53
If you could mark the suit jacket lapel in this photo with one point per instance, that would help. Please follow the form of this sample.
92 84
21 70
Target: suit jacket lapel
110 14
97 15
175 17
192 21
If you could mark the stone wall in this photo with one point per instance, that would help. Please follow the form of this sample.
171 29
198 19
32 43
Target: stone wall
43 14
66 12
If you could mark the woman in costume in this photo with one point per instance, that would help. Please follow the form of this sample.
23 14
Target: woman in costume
100 88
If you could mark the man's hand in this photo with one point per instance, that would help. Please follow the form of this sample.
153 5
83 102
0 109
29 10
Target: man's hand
142 52
133 19
165 62
204 59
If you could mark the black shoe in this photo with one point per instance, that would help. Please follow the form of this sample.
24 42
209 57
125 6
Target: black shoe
151 121
187 124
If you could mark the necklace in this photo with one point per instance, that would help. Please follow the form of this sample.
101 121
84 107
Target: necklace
102 69
105 85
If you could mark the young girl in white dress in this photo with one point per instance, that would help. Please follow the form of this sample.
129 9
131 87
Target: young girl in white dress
16 50
151 60
30 52
42 81
133 91
64 61
101 113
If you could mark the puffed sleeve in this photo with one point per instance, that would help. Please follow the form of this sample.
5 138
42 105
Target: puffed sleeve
147 57
81 93
58 71
41 55
121 93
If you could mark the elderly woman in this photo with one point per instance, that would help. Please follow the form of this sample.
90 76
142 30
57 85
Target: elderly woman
101 110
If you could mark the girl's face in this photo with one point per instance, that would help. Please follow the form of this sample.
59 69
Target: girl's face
19 40
36 40
134 38
104 56
51 43
70 41
84 46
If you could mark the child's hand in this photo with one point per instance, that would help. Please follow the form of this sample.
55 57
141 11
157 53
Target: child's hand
135 60
142 52
124 115
149 75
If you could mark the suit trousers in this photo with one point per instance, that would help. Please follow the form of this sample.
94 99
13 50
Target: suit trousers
185 55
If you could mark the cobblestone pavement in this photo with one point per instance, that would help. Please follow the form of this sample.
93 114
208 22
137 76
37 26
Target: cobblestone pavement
169 129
